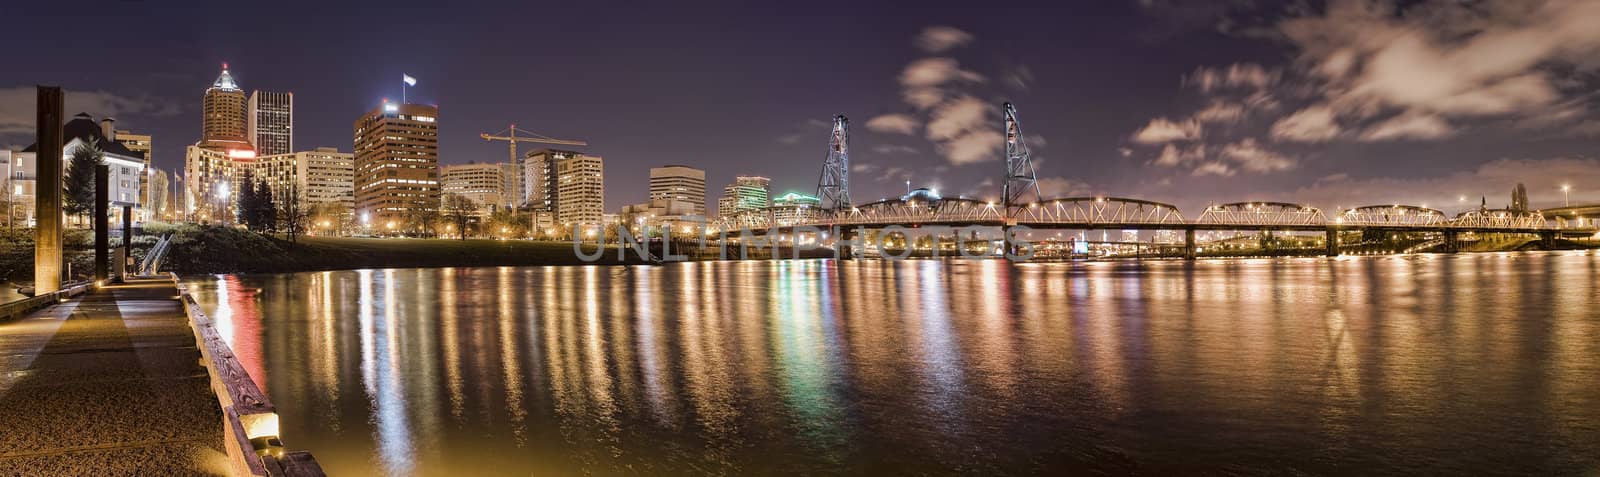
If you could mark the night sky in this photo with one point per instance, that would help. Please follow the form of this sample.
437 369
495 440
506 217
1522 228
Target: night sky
1337 104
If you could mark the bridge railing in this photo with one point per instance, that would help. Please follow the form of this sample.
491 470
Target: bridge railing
1264 214
18 308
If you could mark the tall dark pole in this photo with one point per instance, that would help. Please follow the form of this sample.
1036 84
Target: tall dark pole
47 200
102 234
127 238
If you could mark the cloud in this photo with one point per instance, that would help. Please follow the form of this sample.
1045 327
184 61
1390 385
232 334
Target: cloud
1221 112
1163 130
894 123
1312 124
973 147
1213 168
958 116
930 72
1237 75
1493 179
19 105
863 167
936 39
1412 125
1173 156
892 149
1444 58
1254 158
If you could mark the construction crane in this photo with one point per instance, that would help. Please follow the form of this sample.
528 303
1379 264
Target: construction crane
510 135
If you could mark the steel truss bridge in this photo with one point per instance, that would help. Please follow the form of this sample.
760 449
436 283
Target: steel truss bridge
923 208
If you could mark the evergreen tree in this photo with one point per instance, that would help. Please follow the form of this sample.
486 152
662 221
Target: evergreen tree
86 158
246 206
266 211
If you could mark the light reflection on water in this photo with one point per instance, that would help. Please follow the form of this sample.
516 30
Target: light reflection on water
1480 363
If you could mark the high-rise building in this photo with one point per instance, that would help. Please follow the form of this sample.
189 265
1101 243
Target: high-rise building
225 124
271 122
319 176
681 183
1519 198
540 181
397 161
510 185
580 195
483 183
746 193
139 144
210 180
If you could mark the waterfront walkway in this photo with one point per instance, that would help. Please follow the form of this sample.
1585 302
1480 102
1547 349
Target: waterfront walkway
107 384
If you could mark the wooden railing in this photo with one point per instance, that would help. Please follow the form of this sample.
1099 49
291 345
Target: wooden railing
250 422
17 308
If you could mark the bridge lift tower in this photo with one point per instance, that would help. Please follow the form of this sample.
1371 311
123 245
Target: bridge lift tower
833 188
1019 168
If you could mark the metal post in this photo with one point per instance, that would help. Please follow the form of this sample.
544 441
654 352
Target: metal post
102 234
47 263
127 237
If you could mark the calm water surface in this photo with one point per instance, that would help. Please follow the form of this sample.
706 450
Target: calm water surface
1472 363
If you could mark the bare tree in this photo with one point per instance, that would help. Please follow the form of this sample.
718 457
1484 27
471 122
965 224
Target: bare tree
292 213
458 209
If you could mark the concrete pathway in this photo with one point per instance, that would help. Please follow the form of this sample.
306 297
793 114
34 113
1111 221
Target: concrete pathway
107 384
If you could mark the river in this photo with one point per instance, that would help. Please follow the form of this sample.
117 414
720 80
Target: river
1440 364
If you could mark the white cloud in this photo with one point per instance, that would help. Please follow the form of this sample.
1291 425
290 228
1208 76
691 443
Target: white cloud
863 167
1172 155
1238 75
923 98
1213 168
1222 112
1411 125
892 149
894 123
931 72
1313 124
19 106
1446 58
959 116
937 39
1254 158
1163 130
973 147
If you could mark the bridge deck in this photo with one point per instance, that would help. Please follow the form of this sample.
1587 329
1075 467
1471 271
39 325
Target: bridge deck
108 384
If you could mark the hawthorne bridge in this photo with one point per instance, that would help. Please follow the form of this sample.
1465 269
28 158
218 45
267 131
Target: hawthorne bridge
1021 204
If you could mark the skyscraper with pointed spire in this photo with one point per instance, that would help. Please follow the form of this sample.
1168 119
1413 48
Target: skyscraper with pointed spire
225 126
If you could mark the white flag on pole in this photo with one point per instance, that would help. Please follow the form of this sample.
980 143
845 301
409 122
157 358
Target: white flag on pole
408 79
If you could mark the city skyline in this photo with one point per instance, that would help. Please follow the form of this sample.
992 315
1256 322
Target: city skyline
1145 116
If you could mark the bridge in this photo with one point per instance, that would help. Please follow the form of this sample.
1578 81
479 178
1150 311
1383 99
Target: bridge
1022 204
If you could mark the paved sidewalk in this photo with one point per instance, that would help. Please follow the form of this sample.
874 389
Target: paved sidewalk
107 384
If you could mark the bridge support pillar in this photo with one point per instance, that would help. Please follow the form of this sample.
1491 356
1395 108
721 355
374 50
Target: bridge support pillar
1188 244
1332 242
1548 240
1452 241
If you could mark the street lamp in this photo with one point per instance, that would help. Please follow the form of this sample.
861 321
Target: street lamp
1565 196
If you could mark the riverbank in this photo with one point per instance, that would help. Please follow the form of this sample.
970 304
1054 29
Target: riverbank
210 249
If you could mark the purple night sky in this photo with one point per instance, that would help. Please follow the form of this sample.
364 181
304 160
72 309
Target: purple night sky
1338 103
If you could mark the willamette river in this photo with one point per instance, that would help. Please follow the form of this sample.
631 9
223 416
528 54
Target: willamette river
1435 364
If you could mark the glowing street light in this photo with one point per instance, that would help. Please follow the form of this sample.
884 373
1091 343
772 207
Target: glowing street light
1565 196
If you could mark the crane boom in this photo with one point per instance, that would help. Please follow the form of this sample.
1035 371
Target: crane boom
511 137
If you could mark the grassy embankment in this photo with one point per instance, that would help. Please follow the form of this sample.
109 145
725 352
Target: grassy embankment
211 249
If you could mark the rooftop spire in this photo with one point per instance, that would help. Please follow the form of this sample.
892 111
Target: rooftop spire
225 80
